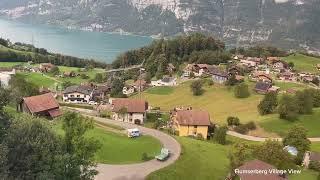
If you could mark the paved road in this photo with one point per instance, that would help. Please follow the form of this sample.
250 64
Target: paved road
141 170
260 139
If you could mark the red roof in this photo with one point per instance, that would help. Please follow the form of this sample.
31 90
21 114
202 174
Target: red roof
41 103
193 117
132 105
253 170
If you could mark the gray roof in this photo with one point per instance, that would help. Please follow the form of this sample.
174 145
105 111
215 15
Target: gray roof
80 89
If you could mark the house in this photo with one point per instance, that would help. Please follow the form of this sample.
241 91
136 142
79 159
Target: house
218 76
256 60
46 67
260 76
127 90
196 69
310 157
248 63
100 92
41 105
262 87
258 170
5 76
191 122
129 110
78 94
287 76
69 74
166 81
271 59
279 65
238 57
140 85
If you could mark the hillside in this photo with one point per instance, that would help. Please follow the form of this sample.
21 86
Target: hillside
286 23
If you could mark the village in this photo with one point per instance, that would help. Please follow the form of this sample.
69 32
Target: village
134 108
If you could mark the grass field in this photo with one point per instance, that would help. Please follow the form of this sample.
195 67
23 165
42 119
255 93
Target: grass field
199 160
161 90
304 63
279 126
305 175
218 100
39 79
78 79
290 85
118 148
315 146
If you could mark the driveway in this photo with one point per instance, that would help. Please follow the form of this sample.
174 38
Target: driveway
141 170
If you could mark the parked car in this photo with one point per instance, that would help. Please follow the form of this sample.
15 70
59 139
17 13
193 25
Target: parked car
133 132
164 155
93 103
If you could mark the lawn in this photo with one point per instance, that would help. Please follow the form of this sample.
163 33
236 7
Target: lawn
311 122
199 160
304 63
305 175
218 100
39 79
118 148
78 79
290 85
162 90
315 146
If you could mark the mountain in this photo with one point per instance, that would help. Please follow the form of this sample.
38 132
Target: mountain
284 23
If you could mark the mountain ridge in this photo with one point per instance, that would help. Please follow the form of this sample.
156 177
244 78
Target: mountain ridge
284 23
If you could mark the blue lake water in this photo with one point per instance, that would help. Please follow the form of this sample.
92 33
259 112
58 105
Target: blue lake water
96 45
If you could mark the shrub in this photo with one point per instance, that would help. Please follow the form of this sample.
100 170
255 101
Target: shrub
196 88
251 125
233 121
241 91
220 135
145 157
314 165
200 136
105 114
288 108
242 129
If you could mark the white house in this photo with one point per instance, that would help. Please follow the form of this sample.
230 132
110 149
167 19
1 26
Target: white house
77 94
166 81
5 76
129 110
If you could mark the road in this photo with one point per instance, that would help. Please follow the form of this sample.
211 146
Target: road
141 170
260 139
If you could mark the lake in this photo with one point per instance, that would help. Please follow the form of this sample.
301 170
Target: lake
96 45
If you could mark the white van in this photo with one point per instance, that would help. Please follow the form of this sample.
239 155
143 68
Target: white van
133 132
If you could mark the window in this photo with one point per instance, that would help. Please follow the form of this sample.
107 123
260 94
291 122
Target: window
72 95
78 96
195 127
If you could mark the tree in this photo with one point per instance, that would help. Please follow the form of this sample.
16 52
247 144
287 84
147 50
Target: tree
4 98
288 107
196 88
220 135
291 65
241 91
268 104
116 89
98 78
78 150
122 112
30 150
272 152
240 152
304 100
297 137
233 121
232 80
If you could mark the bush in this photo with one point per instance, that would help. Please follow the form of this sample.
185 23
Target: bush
105 114
314 165
268 104
251 125
220 135
242 129
196 88
200 136
145 157
233 121
288 108
241 91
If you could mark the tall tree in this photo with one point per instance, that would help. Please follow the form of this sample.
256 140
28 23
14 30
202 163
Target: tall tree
305 101
78 149
268 104
288 107
297 137
196 88
241 90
